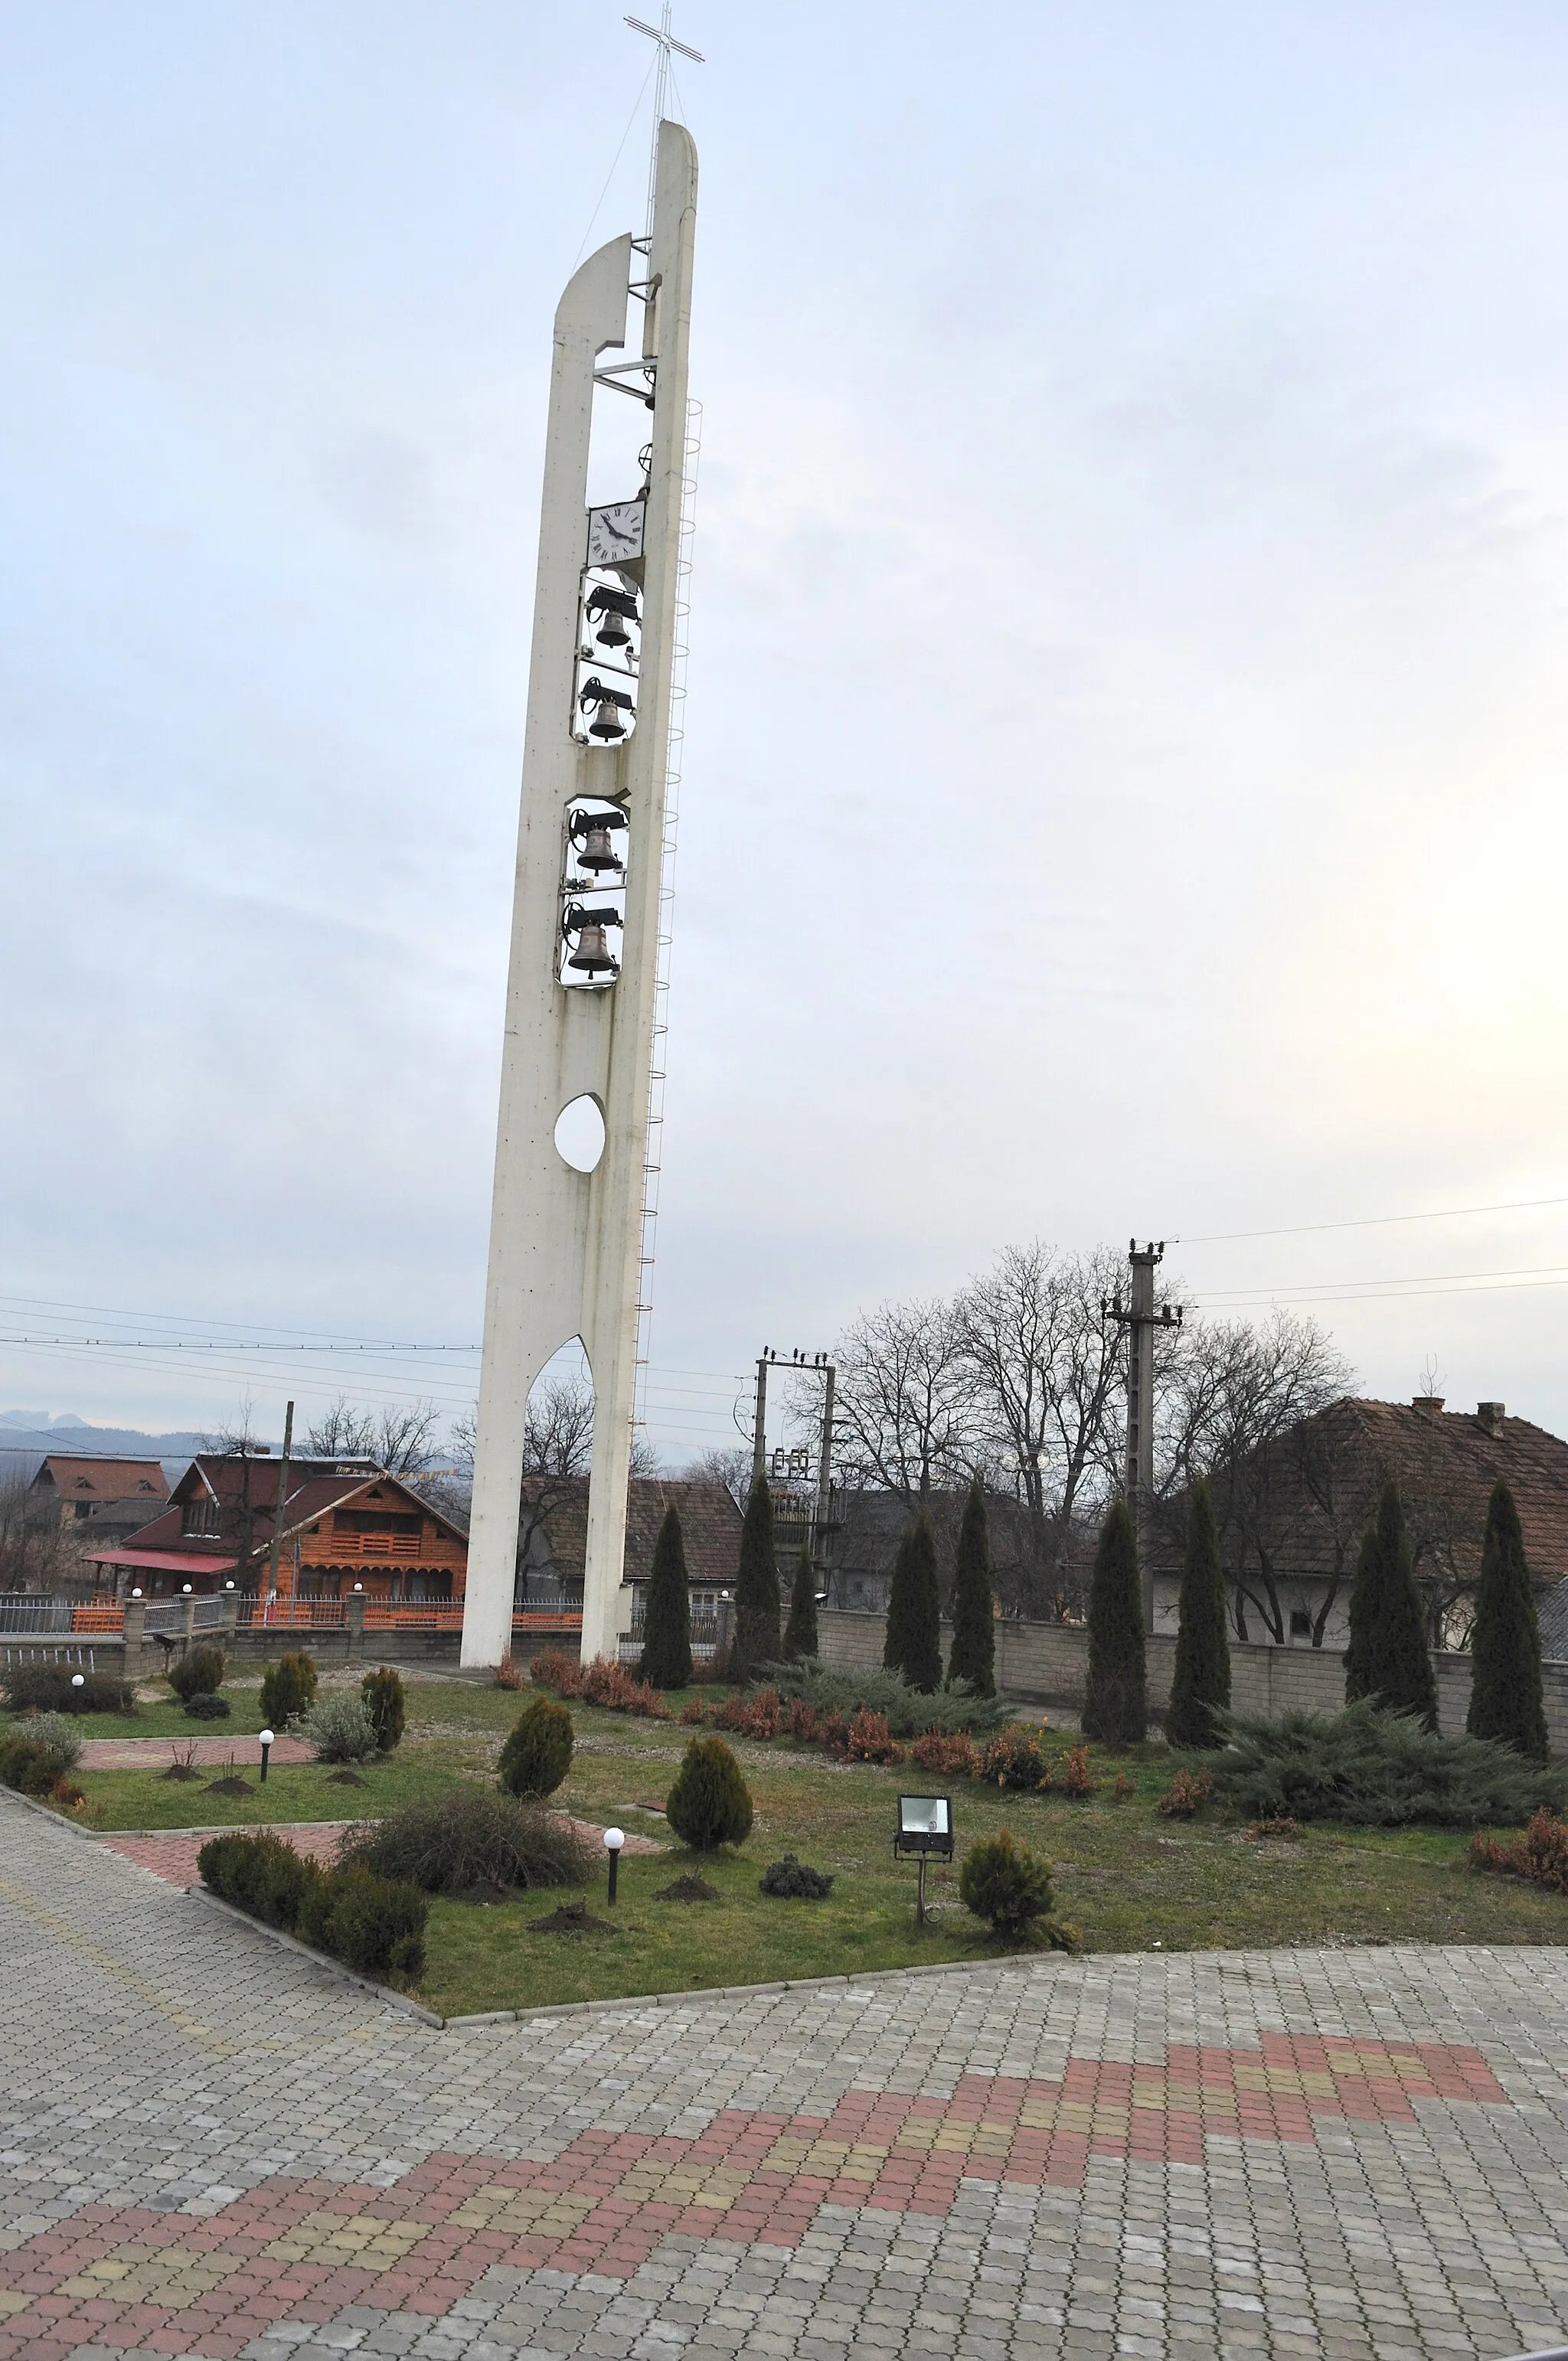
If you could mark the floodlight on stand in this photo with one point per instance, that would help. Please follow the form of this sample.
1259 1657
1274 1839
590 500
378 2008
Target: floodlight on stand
924 1826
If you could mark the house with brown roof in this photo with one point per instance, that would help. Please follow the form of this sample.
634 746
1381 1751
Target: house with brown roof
553 1535
1291 1515
345 1525
97 1500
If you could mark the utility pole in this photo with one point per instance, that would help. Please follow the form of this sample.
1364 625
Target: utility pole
760 1433
282 1496
819 1365
1140 1320
825 1472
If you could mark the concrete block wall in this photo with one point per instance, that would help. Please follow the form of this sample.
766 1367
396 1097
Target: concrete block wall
1044 1664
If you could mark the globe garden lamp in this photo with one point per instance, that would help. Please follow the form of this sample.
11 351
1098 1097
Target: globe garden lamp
266 1743
924 1826
78 1680
184 1590
613 1841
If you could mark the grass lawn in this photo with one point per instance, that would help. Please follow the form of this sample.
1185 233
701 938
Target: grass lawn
1128 1878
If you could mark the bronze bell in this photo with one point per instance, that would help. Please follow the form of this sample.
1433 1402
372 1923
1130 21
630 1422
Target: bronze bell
592 956
609 720
597 851
610 629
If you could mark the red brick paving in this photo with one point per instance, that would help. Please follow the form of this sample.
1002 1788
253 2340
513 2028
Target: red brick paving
158 1754
173 1855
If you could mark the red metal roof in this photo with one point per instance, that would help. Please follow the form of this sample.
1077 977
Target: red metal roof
162 1561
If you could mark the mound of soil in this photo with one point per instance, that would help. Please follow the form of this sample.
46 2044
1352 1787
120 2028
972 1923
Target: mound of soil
347 1779
573 1919
690 1888
180 1771
230 1786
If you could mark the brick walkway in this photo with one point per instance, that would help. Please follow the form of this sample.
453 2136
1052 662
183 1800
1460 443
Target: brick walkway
210 2146
158 1754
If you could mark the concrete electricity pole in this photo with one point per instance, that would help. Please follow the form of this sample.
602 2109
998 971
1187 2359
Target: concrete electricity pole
1140 1320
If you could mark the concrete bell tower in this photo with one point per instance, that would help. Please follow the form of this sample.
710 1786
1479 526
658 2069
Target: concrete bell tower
565 1243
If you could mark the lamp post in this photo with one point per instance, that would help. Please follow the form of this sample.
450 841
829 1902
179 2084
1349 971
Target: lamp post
924 1826
78 1680
613 1841
266 1736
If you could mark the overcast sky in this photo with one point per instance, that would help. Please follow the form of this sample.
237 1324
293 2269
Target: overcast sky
1127 724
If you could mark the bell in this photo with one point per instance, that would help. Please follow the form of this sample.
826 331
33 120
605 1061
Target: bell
610 629
592 955
608 721
597 851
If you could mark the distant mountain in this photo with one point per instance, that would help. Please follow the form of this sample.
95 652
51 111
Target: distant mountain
27 1439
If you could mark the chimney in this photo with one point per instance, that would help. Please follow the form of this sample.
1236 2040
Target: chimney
1491 1417
1429 1405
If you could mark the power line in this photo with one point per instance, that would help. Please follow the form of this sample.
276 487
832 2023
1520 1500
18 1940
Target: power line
1371 1222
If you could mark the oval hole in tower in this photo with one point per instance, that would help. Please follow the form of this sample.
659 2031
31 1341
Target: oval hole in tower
579 1133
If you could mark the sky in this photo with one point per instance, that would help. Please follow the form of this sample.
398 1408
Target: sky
1122 788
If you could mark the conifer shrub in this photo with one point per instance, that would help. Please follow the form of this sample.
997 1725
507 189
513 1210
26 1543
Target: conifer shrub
1386 1769
1115 1692
801 1718
794 1880
339 1726
908 1709
601 1683
832 1733
1012 1759
1505 1701
386 1703
692 1712
507 1674
756 1640
56 1740
950 1755
1541 1854
372 1925
26 1768
800 1630
757 1716
1003 1882
207 1705
868 1738
1387 1660
551 1668
49 1688
1200 1679
710 1804
666 1660
474 1838
537 1754
1187 1794
913 1644
198 1673
1077 1779
972 1656
259 1874
288 1688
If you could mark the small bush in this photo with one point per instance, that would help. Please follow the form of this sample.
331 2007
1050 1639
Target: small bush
757 1716
710 1804
551 1668
507 1674
260 1875
372 1925
26 1768
207 1705
1122 1788
1188 1792
601 1683
473 1837
67 1794
801 1718
339 1726
832 1733
538 1751
1077 1780
1286 1829
1012 1759
951 1754
382 1691
692 1712
1541 1854
198 1673
288 1688
906 1710
1379 1768
868 1740
1005 1884
794 1880
55 1739
47 1688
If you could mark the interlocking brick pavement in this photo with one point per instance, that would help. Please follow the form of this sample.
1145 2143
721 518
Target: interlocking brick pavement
214 2148
158 1754
173 1853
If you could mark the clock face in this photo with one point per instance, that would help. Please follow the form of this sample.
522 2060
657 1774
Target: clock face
615 534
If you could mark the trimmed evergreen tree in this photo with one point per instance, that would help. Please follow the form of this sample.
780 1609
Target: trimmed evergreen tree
1201 1678
800 1631
973 1656
1505 1701
1386 1658
914 1642
756 1640
667 1659
1116 1690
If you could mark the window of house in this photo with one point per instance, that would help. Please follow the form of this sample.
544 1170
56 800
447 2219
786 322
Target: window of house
201 1517
1300 1623
374 1520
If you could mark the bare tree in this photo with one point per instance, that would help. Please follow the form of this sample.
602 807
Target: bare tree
905 1419
401 1441
731 1467
37 1556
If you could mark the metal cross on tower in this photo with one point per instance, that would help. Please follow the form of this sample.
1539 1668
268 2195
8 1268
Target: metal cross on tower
661 35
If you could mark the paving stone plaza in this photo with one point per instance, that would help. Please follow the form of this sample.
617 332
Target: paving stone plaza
212 2146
